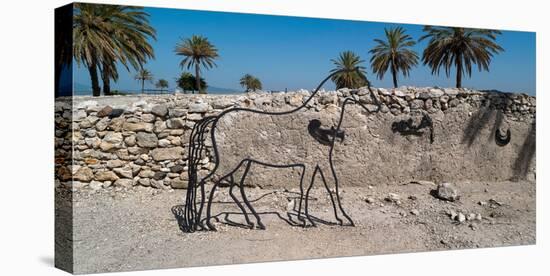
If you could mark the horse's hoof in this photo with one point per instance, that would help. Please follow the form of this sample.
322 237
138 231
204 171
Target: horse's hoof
261 226
211 227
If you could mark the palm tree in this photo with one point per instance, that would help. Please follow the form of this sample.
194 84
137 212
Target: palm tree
105 34
459 47
142 76
162 84
91 41
250 83
129 28
198 51
393 54
354 75
63 45
187 82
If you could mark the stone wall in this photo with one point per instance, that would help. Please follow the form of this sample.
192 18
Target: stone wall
124 141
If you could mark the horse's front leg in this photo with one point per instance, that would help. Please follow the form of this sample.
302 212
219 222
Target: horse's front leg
245 199
331 177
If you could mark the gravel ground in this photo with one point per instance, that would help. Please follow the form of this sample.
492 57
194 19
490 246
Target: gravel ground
136 229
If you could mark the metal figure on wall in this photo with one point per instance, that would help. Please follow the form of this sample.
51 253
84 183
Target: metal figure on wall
196 196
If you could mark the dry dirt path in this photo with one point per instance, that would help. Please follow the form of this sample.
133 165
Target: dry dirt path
136 229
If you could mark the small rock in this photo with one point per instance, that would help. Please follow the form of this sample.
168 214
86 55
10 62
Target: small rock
471 216
369 200
415 212
393 198
460 217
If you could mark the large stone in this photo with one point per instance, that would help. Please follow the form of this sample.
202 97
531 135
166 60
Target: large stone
177 112
125 183
84 174
447 191
199 107
146 140
160 110
148 127
162 154
178 184
159 175
113 137
222 103
104 112
125 172
115 163
106 176
175 123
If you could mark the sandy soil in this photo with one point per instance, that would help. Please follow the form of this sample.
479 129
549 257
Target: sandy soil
136 229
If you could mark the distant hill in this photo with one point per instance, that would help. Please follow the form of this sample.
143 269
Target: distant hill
82 89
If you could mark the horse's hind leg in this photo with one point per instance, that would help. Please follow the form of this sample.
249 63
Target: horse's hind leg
241 187
237 201
209 205
306 209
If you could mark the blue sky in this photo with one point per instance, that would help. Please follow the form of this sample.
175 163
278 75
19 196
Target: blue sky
295 52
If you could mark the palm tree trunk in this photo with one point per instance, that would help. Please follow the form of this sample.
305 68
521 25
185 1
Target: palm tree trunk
96 90
142 85
394 75
459 72
198 79
58 69
106 76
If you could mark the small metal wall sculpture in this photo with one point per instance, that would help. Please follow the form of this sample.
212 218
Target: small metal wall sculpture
503 139
194 203
407 127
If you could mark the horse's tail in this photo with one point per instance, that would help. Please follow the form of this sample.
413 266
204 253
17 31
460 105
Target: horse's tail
192 214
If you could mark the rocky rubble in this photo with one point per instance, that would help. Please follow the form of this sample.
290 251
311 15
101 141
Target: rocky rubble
118 141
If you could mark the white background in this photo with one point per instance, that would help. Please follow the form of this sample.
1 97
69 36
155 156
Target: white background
26 135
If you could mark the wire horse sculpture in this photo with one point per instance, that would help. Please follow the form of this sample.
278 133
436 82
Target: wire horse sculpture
194 206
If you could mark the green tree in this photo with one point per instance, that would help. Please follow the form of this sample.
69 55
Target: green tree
250 83
197 52
106 34
142 76
162 84
187 82
393 54
461 48
354 75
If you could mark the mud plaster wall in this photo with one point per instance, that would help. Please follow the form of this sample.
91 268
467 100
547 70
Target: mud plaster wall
147 143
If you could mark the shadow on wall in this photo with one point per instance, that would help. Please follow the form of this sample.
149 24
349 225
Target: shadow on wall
526 153
477 121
